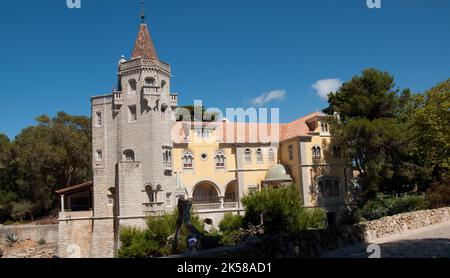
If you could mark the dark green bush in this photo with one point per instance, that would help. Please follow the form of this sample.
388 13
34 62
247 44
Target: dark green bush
230 227
381 207
281 211
157 239
438 195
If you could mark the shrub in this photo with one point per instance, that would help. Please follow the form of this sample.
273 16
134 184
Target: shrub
281 211
438 195
230 227
157 239
381 207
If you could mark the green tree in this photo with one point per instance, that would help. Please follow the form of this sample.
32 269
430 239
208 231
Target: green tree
281 211
369 130
430 123
54 154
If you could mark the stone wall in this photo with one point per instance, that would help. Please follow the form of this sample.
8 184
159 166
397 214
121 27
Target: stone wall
313 243
399 223
49 233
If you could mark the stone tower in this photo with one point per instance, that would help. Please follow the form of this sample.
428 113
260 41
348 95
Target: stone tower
132 146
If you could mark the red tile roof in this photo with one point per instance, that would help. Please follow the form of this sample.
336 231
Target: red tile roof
143 46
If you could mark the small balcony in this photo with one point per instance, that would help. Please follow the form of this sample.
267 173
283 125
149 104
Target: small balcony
174 100
153 207
117 99
167 166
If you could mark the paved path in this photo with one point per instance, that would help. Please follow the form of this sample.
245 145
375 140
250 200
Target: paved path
427 242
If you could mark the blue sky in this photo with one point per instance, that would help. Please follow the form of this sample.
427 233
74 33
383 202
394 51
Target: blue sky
225 52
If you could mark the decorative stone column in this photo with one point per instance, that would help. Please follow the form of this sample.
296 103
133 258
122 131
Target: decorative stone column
222 201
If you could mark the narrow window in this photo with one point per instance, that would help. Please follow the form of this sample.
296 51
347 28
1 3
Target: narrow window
259 156
133 114
337 151
271 155
149 81
248 156
336 191
291 152
132 85
168 199
99 155
99 118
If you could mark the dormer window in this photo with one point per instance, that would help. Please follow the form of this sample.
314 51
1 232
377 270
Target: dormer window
132 85
324 127
128 156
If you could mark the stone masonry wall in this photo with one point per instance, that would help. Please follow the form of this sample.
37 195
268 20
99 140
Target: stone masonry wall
313 243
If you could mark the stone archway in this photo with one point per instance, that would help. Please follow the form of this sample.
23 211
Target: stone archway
205 192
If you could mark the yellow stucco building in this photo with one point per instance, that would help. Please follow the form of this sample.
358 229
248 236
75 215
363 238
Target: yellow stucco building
218 163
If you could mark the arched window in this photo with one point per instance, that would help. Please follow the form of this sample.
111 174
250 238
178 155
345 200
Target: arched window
328 188
188 160
271 155
336 191
259 156
163 111
167 156
220 159
163 84
316 152
128 155
336 151
132 85
291 152
248 156
149 81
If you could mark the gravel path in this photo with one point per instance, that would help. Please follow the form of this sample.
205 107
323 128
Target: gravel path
427 242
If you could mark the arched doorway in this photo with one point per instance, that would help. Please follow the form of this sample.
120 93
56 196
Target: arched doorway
205 196
231 195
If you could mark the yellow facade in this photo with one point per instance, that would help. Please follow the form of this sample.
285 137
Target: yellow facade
305 149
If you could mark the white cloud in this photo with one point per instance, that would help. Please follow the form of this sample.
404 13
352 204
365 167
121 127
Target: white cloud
326 86
268 97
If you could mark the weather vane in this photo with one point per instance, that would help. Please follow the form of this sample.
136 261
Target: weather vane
142 11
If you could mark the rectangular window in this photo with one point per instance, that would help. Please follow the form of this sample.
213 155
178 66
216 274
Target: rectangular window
99 155
168 198
133 114
99 118
271 155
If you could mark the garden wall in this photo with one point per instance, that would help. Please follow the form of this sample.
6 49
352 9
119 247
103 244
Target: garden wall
313 243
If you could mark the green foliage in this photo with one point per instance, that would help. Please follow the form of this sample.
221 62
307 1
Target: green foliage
230 227
43 158
22 209
381 207
281 211
438 195
157 239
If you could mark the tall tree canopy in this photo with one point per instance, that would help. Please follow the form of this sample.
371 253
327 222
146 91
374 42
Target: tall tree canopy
370 130
43 158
